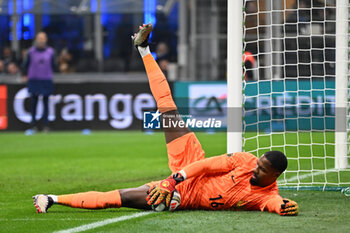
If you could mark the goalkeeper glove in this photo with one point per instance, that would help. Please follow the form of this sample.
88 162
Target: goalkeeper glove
289 208
163 190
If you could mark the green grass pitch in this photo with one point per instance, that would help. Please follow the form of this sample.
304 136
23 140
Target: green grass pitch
68 162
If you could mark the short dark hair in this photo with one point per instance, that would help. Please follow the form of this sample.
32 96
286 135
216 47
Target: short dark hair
277 159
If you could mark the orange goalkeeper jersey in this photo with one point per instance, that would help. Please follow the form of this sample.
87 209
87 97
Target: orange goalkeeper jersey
230 188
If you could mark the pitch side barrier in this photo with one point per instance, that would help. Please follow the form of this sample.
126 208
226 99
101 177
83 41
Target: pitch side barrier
76 106
110 105
271 105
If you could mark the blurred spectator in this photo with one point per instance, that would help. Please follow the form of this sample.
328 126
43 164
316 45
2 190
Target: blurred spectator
65 62
316 22
38 66
2 67
305 11
123 32
162 33
8 56
12 68
24 53
303 15
251 7
249 65
162 52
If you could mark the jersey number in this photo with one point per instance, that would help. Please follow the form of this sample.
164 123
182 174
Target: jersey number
214 202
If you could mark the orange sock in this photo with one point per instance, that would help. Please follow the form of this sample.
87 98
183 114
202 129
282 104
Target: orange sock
159 85
92 200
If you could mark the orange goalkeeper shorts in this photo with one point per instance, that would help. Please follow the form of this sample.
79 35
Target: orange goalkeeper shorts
181 152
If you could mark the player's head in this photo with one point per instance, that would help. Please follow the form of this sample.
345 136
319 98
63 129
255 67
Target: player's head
41 39
268 168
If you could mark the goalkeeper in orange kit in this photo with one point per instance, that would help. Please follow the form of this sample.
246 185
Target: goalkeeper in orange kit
238 181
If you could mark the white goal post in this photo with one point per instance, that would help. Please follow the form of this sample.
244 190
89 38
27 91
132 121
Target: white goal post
294 94
341 100
234 74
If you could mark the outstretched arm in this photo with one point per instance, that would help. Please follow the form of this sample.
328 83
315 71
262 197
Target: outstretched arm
222 163
281 206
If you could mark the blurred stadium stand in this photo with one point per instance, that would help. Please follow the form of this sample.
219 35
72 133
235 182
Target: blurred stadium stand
95 35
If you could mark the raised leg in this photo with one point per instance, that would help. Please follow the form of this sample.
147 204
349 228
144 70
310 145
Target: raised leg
162 94
172 132
182 145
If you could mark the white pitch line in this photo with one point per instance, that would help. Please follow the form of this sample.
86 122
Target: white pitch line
45 219
294 178
104 222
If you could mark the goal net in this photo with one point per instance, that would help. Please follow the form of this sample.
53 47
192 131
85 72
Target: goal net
295 87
